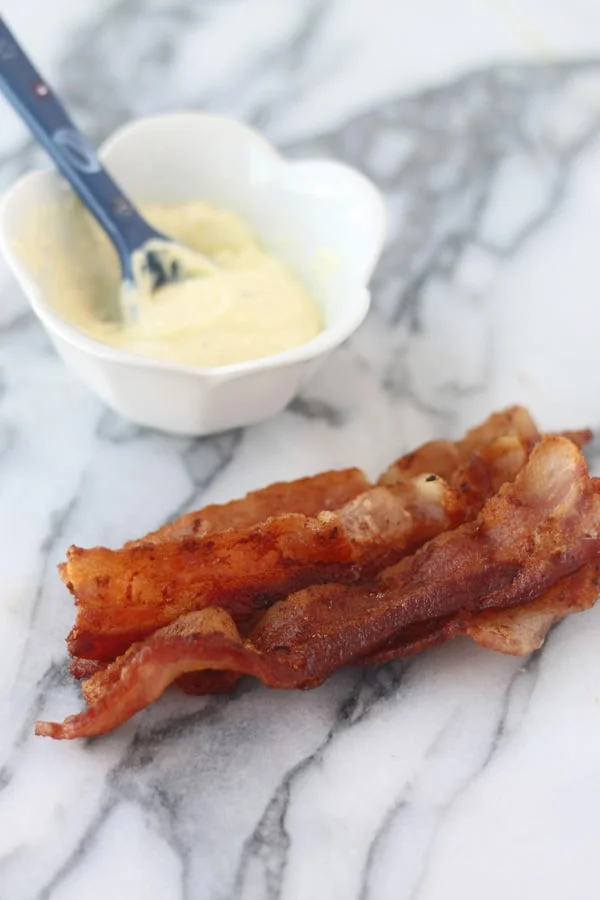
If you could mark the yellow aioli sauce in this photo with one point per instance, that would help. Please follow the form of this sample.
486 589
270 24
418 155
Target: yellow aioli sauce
253 305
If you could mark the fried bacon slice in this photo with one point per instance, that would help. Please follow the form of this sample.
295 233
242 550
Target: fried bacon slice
521 631
124 595
205 682
444 457
543 527
307 496
517 631
247 570
331 490
497 449
535 531
144 672
490 468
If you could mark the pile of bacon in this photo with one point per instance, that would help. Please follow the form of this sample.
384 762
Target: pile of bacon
496 536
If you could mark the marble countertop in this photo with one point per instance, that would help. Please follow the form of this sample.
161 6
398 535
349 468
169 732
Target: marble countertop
460 773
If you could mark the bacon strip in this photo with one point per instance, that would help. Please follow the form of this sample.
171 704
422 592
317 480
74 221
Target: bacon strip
144 672
124 595
495 450
445 457
247 570
541 528
331 490
517 632
521 631
307 496
534 532
206 682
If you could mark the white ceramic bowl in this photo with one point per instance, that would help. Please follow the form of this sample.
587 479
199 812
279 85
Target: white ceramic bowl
306 212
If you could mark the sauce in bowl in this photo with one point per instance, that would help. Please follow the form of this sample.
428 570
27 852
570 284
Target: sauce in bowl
252 306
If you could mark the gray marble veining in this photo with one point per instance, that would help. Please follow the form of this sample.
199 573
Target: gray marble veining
458 773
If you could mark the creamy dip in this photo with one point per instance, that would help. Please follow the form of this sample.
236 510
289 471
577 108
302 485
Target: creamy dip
252 305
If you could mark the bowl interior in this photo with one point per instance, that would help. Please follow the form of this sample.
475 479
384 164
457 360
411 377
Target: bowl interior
323 218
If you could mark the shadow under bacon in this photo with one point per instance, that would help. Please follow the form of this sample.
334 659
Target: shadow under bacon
495 536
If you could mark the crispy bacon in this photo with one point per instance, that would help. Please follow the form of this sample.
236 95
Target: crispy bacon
495 464
444 457
307 496
206 682
542 528
521 631
518 631
126 594
143 673
331 490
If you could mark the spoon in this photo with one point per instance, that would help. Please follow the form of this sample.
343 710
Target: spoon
149 259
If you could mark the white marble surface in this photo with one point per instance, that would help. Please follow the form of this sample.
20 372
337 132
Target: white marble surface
457 774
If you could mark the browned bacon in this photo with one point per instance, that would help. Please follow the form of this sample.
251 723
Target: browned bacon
444 457
307 496
126 594
141 675
542 528
516 631
533 532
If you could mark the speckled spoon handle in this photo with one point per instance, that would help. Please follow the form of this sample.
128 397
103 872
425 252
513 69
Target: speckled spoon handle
48 121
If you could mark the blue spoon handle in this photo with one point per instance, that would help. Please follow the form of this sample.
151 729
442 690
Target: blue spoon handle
48 121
